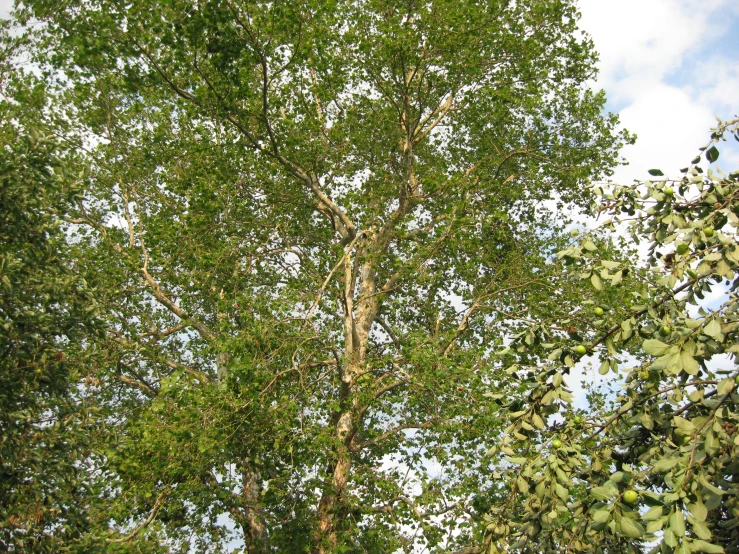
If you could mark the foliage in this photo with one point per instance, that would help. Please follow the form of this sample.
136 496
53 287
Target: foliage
658 463
308 226
46 312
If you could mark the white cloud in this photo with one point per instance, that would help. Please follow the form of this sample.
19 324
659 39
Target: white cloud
670 126
643 41
642 44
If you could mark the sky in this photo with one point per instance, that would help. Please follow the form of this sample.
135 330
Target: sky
668 68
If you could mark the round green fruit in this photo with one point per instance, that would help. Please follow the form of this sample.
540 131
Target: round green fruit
668 191
556 443
598 311
578 419
664 330
644 375
631 496
581 350
708 231
736 379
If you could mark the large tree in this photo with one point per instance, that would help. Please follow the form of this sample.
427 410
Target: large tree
311 224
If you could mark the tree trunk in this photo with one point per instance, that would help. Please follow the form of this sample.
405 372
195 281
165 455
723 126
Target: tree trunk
357 324
255 532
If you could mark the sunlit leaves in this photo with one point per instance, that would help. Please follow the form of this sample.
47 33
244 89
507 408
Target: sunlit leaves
668 431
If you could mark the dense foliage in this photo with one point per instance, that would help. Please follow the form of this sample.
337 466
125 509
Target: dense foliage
46 314
657 462
308 229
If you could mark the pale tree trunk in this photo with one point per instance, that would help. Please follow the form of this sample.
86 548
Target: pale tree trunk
253 526
357 324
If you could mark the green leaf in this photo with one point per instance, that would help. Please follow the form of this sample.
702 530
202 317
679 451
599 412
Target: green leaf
601 493
655 347
656 172
596 282
677 523
665 464
701 530
630 528
698 510
690 365
703 546
725 386
713 329
601 516
712 154
653 513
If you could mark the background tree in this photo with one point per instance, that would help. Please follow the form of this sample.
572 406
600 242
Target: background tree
46 311
310 225
654 460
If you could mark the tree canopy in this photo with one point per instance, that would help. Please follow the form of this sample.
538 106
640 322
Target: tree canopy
308 233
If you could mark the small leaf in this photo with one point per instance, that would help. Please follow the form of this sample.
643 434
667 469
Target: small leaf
677 523
665 464
698 510
726 386
713 329
701 530
595 280
703 546
601 493
690 365
653 514
712 154
602 516
684 425
656 172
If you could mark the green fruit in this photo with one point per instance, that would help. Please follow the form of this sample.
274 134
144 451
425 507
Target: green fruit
736 379
581 350
686 439
578 420
664 330
631 496
708 231
598 311
682 248
556 443
644 375
668 191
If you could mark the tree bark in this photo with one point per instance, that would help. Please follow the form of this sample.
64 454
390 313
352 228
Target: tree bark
357 325
255 531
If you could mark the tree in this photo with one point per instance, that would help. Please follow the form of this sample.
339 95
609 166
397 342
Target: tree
310 225
46 311
654 461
